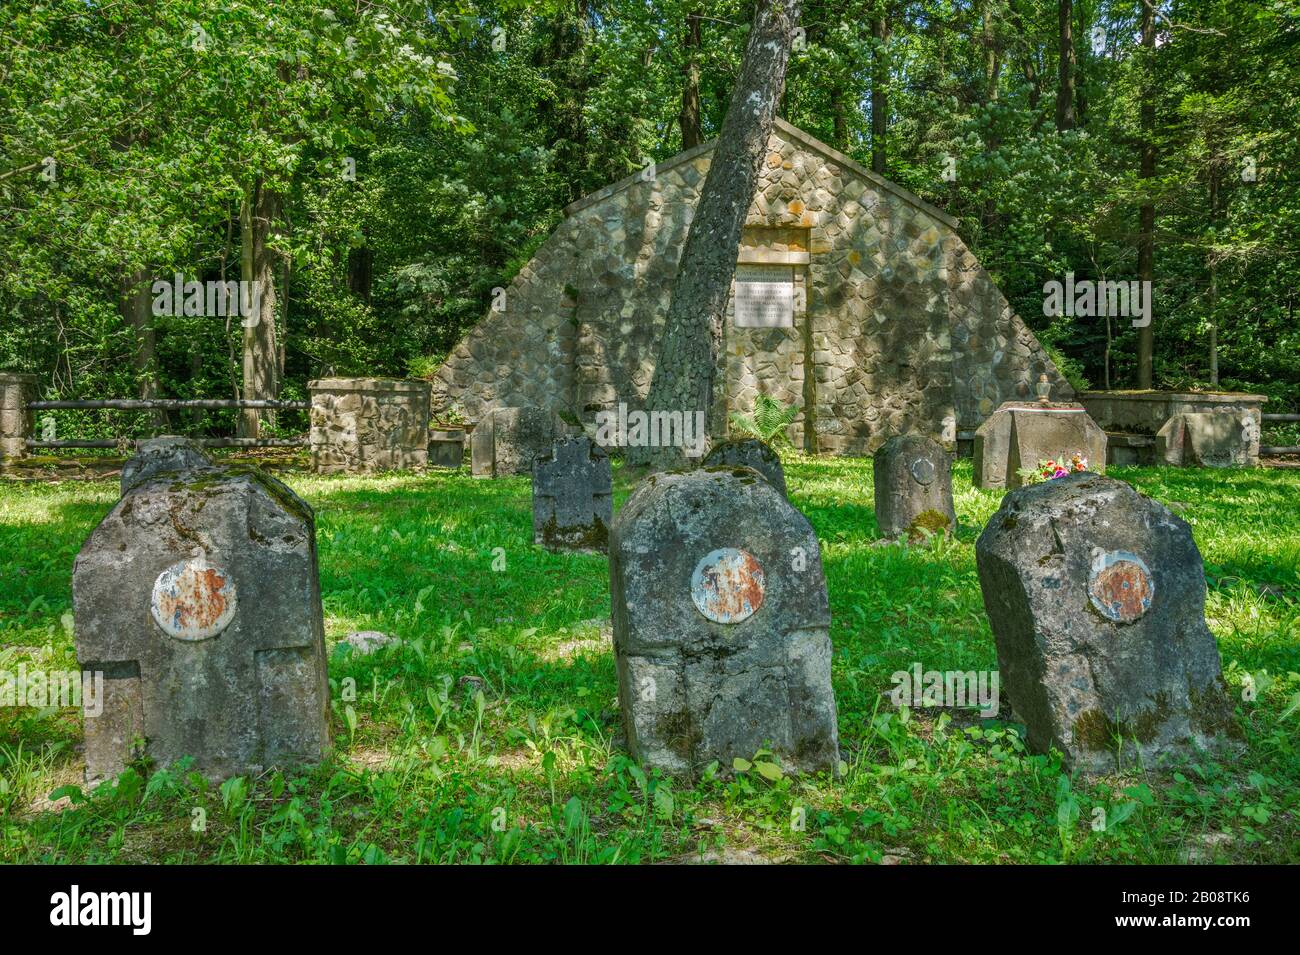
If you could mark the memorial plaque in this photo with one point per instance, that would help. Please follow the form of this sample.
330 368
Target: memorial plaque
764 296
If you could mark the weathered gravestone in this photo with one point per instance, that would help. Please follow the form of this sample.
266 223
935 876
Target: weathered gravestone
1211 439
913 486
1020 434
749 453
197 597
1096 597
155 455
573 502
506 441
721 624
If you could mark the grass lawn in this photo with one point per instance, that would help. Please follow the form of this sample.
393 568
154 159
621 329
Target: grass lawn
491 734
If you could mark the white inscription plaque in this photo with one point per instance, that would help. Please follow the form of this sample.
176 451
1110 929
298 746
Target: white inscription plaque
764 296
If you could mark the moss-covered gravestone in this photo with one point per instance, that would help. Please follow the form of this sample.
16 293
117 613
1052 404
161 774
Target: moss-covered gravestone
197 597
166 453
913 488
749 453
573 502
1096 597
721 625
506 441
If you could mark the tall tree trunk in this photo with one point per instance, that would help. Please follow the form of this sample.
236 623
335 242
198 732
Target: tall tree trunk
1214 269
992 75
684 372
1147 212
689 118
840 117
880 29
137 312
257 217
1065 83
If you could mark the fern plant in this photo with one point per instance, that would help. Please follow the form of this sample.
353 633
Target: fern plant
767 423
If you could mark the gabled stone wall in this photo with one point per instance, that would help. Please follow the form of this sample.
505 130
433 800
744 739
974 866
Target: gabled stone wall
896 326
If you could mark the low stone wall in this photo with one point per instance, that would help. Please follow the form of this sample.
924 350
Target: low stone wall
1145 413
17 422
368 424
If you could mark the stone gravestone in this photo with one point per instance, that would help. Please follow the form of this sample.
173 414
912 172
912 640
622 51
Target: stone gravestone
507 440
1211 439
721 625
198 599
913 483
573 500
167 453
1020 434
1096 598
749 453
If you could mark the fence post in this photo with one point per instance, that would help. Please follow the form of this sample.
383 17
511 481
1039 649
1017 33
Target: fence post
368 424
17 422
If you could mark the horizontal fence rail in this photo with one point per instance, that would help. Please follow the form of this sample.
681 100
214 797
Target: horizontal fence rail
204 442
1281 417
169 404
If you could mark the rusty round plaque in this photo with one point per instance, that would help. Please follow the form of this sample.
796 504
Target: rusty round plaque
727 585
923 471
193 600
1120 586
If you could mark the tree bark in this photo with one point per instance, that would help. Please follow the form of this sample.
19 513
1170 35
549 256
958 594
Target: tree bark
1147 211
1065 83
880 29
687 362
257 216
137 311
1214 267
689 118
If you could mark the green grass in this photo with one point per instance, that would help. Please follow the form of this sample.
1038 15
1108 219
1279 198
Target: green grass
490 735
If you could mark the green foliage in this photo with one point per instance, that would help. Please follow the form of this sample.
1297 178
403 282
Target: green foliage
767 423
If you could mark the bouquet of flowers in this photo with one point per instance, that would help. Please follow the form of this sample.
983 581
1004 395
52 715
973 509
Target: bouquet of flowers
1054 468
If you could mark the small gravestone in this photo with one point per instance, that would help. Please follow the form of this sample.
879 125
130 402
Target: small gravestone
573 503
749 453
197 597
1096 598
721 625
1211 439
506 441
1019 434
160 455
913 486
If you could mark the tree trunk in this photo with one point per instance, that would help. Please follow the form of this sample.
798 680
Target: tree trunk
257 216
1147 212
684 372
880 29
137 311
1214 270
689 118
1065 84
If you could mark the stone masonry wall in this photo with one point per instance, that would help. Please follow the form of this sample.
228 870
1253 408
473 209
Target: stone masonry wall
368 424
16 421
897 327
